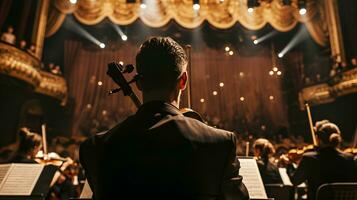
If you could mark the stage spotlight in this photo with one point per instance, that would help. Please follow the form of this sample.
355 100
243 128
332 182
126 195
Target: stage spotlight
143 5
286 2
102 45
196 5
255 41
124 37
119 31
280 55
73 1
302 11
251 4
302 7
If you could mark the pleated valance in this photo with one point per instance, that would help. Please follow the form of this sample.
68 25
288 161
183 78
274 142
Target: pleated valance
220 14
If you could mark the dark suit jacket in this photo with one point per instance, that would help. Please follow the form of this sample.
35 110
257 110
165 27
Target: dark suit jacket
160 154
269 172
327 165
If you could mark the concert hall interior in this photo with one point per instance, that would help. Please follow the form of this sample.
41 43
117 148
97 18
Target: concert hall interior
126 99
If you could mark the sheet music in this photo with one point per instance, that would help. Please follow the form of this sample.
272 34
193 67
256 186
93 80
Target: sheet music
20 179
3 171
286 180
252 179
87 191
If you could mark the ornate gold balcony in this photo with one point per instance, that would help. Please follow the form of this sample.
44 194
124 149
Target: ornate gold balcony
325 93
21 65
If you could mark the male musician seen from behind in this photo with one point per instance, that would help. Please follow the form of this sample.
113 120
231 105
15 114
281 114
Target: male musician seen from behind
158 153
326 165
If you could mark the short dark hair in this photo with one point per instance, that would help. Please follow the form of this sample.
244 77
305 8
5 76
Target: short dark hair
160 62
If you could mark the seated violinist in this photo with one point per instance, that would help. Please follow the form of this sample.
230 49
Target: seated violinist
263 151
29 146
158 153
325 165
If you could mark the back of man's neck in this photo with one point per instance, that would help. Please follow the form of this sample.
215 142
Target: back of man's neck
149 98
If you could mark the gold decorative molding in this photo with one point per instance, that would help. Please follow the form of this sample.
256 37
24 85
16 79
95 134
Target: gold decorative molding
19 64
23 66
53 85
221 15
325 93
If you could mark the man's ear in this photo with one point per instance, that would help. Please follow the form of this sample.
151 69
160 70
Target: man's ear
139 85
183 81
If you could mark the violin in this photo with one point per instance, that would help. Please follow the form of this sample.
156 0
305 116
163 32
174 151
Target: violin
116 71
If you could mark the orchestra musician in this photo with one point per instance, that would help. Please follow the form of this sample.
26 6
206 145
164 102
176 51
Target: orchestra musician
29 145
158 153
263 152
327 164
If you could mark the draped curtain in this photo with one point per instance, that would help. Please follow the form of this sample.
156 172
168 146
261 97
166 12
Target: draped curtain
242 75
5 6
85 71
220 15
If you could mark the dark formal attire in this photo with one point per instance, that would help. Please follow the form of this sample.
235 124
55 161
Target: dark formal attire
160 154
269 172
326 165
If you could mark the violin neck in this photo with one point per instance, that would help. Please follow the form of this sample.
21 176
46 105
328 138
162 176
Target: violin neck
135 100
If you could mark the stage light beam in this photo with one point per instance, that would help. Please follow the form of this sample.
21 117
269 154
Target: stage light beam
301 35
265 37
124 37
71 25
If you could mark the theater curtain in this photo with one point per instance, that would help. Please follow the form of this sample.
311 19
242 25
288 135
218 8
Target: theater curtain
5 6
85 71
220 15
248 77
